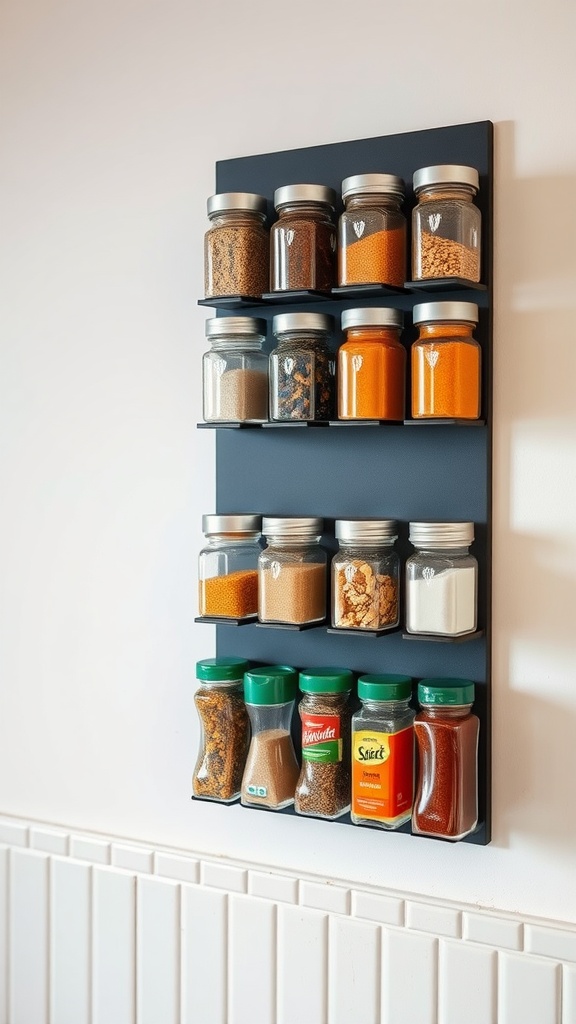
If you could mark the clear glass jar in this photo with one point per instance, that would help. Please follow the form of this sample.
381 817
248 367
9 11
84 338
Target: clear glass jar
372 231
235 371
372 365
446 362
236 246
446 225
292 572
323 788
303 239
302 385
365 575
224 729
271 770
228 566
446 801
441 580
383 752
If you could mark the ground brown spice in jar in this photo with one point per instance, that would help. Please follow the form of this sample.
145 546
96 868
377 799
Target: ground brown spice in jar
364 599
236 261
218 772
303 256
292 593
242 395
271 767
324 788
442 257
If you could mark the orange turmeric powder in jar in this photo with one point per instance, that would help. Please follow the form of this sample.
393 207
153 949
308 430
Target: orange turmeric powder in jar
372 231
371 365
446 362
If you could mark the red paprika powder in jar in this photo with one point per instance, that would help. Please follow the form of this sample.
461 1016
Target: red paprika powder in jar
446 733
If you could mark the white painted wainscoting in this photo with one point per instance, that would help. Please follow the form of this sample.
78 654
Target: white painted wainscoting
94 930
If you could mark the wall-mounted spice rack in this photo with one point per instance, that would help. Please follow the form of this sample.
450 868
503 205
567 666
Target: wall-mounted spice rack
443 473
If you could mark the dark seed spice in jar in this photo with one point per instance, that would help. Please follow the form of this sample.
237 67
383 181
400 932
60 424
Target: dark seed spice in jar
218 773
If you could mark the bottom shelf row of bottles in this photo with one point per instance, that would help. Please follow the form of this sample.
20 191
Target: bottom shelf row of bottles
384 763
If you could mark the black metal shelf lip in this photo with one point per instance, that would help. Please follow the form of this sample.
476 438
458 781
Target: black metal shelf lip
432 422
441 638
444 284
293 626
365 423
296 423
224 620
229 425
366 291
231 301
372 633
215 800
296 295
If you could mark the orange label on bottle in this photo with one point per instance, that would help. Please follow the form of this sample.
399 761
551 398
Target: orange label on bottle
382 774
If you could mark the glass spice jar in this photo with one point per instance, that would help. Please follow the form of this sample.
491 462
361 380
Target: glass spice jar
365 575
228 566
372 231
372 365
235 371
446 733
302 385
323 787
236 246
446 225
446 362
383 752
441 580
303 239
271 770
292 571
225 729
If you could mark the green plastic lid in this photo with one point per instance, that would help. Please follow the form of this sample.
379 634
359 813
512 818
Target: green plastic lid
326 680
273 684
384 687
446 691
215 670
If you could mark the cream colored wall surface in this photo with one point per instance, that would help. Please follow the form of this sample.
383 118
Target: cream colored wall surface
112 117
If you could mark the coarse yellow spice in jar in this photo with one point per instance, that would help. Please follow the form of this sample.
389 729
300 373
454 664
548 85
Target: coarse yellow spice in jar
228 566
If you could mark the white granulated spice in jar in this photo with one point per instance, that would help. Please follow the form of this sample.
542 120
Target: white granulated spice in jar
444 603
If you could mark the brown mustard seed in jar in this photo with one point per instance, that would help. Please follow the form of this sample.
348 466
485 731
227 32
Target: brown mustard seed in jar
236 246
225 729
323 788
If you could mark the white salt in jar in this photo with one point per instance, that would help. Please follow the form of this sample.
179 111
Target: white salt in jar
441 580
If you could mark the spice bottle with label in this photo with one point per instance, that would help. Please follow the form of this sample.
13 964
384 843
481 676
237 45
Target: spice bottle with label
323 788
225 729
302 384
303 239
236 246
372 231
372 365
383 752
228 566
271 771
235 371
446 225
446 361
292 571
365 574
446 732
441 580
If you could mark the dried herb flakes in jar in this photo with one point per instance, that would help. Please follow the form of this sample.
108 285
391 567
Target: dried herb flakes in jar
302 382
225 729
323 788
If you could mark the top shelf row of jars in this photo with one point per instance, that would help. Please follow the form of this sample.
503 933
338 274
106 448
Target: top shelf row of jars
308 253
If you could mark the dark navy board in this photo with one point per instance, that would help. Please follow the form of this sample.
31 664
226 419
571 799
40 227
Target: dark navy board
436 472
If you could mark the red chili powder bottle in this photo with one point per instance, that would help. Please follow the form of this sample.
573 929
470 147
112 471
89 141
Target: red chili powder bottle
446 733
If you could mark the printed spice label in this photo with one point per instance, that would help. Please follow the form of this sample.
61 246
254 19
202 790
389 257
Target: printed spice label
321 738
382 774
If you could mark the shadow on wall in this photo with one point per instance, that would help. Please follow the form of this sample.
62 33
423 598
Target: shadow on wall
534 686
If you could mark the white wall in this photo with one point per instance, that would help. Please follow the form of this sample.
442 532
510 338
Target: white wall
113 116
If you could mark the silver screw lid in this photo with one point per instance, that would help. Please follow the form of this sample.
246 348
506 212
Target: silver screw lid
302 322
215 524
305 194
446 174
376 316
247 201
292 528
373 184
370 531
235 326
426 311
441 535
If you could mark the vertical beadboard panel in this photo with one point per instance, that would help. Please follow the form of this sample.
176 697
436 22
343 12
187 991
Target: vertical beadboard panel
252 961
113 947
70 942
467 984
353 972
29 953
158 952
204 955
302 941
409 978
528 990
3 935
